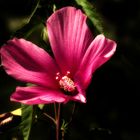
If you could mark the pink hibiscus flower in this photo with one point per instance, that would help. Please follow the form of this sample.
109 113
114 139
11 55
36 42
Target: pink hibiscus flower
65 76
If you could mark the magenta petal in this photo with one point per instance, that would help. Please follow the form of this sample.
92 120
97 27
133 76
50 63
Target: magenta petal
81 96
69 37
26 62
100 51
37 95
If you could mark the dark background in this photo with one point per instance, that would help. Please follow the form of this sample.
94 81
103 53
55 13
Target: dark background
113 97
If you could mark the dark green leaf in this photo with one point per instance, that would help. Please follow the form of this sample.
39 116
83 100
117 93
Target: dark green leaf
92 14
15 22
27 113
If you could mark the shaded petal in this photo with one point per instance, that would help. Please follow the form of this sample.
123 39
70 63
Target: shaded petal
27 62
69 37
37 95
100 51
81 96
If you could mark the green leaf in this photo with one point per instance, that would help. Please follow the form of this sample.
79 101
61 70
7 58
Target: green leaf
16 22
92 14
27 113
41 106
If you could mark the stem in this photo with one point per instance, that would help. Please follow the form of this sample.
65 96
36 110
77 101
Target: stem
50 117
55 110
58 122
63 134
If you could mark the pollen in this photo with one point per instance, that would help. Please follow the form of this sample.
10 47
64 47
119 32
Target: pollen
65 82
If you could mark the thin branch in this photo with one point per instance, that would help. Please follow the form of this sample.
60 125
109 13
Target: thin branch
58 121
50 117
55 111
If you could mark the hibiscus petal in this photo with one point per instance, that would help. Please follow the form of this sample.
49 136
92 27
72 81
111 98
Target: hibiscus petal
26 62
69 37
37 95
81 96
100 51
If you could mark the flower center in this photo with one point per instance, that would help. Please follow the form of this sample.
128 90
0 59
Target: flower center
66 83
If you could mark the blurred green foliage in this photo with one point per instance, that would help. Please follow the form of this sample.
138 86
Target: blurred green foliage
26 120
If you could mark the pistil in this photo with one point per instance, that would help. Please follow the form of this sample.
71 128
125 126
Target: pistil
65 82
